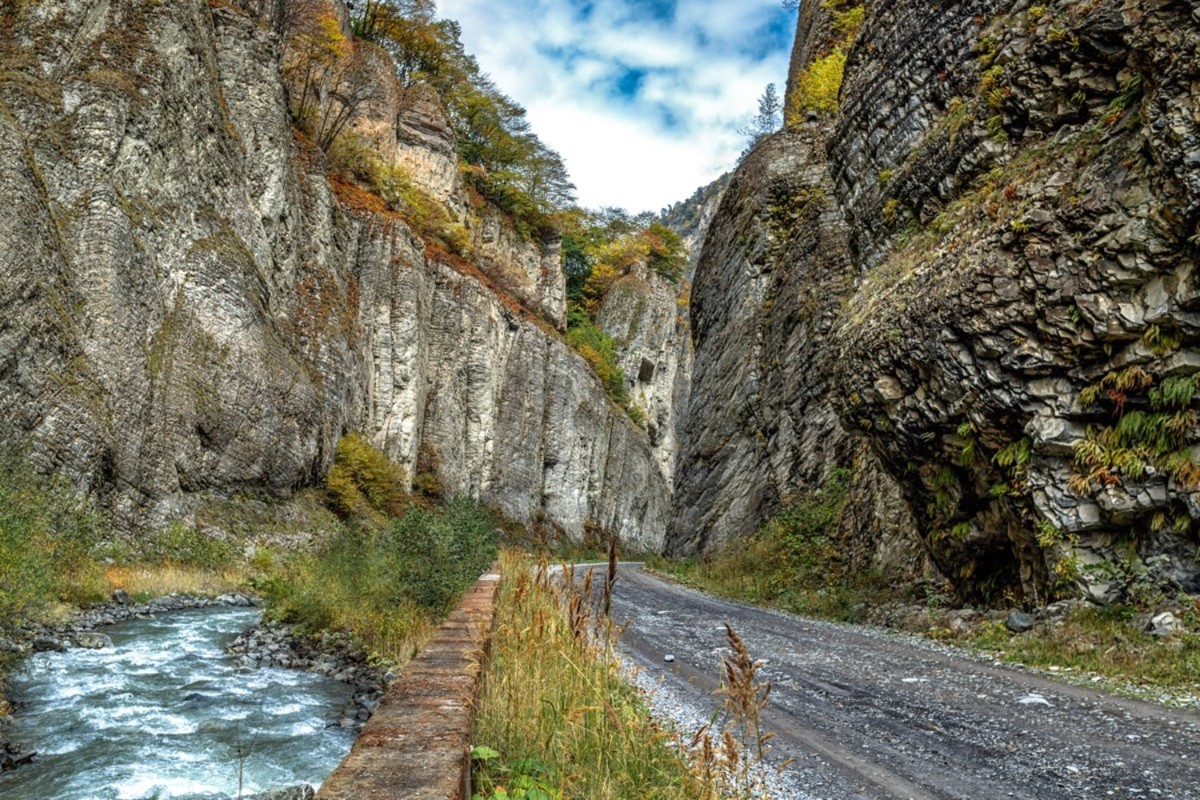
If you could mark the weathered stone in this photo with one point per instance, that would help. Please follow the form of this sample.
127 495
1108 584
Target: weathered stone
192 306
91 640
48 644
1164 625
1018 621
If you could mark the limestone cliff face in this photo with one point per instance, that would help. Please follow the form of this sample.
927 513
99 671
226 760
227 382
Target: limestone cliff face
189 305
1018 189
643 314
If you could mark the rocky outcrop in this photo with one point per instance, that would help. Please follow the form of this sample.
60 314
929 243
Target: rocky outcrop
644 314
529 269
760 427
190 305
1017 186
1031 242
692 218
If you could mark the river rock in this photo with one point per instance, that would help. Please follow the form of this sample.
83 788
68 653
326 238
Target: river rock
92 641
121 597
1018 621
48 644
11 758
301 792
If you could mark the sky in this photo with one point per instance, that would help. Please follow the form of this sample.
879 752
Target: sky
643 100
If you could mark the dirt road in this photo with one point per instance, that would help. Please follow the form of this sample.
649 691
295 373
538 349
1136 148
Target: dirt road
865 714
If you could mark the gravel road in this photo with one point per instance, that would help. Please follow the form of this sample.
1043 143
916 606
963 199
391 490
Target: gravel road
867 714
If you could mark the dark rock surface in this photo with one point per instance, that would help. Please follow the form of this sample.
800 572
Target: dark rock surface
760 427
1003 297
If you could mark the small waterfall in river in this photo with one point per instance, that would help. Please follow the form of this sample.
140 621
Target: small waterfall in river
166 713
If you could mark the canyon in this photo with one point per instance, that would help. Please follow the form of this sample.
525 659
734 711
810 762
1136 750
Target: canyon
970 286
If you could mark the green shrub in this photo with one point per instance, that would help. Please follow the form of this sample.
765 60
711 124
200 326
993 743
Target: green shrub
45 538
386 584
600 350
180 544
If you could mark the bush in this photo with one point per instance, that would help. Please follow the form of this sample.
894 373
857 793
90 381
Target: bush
363 481
386 585
819 86
180 544
600 350
46 535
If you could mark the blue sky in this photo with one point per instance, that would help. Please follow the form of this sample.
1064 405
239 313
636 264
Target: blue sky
642 99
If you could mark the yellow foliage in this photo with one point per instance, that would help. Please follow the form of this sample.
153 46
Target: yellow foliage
819 86
363 481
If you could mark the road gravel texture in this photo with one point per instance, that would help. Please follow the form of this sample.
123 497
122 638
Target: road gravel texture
867 714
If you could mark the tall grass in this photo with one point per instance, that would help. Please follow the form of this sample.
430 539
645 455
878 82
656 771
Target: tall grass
556 709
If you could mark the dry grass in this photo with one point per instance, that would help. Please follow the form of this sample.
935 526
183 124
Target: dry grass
558 719
556 707
143 582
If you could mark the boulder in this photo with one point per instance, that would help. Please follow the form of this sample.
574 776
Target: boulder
1018 621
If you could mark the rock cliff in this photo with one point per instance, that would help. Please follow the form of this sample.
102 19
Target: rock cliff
191 304
760 426
1005 307
643 313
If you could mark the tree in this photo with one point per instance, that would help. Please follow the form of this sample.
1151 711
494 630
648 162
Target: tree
334 77
768 119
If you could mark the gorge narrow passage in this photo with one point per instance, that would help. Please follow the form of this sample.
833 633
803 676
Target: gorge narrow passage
865 714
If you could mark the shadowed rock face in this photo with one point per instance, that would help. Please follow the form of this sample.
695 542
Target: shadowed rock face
187 307
1017 186
760 426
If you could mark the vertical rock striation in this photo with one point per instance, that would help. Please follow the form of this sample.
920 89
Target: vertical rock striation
760 426
190 305
642 313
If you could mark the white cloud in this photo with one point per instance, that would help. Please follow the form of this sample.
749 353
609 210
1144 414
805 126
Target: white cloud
702 69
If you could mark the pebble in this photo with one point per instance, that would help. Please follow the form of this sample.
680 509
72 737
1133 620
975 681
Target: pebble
334 655
669 659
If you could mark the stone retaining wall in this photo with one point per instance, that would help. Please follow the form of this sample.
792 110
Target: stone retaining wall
416 745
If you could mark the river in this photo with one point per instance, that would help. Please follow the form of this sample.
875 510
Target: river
166 713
